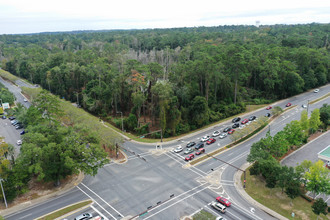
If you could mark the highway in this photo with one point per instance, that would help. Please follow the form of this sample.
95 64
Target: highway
164 186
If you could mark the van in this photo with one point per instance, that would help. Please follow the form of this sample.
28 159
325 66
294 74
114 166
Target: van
218 206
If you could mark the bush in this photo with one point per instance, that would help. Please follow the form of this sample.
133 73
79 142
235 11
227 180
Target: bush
131 122
143 129
306 197
182 128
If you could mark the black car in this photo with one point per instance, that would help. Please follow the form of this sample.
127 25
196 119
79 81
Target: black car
227 129
267 115
3 117
236 125
252 118
190 144
11 118
199 145
236 119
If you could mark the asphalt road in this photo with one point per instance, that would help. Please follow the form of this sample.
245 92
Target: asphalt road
129 189
16 90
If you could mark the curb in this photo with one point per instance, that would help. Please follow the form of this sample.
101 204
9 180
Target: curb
247 197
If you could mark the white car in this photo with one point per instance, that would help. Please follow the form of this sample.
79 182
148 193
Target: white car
218 206
178 149
205 138
19 142
223 135
25 100
304 106
216 133
316 90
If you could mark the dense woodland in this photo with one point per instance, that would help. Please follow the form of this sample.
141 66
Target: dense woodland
175 79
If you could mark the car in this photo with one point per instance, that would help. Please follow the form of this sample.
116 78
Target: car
19 142
226 129
210 141
3 117
189 157
244 121
199 146
178 149
304 106
16 123
252 118
25 100
190 144
205 138
269 108
237 119
231 131
84 216
288 105
11 118
223 201
218 206
188 151
216 133
19 126
236 125
97 218
13 122
220 218
316 90
223 135
200 151
23 132
268 115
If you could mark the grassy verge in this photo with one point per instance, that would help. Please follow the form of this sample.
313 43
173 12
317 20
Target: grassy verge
8 76
65 210
278 201
204 215
316 100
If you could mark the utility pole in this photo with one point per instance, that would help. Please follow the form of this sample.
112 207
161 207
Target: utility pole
122 122
3 192
307 107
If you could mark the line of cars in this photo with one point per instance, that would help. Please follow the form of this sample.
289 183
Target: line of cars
220 204
18 125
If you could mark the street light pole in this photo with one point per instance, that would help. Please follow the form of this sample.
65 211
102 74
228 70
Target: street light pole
3 193
122 122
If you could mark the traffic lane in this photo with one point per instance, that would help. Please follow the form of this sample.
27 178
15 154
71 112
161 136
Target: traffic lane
10 133
308 152
50 205
16 91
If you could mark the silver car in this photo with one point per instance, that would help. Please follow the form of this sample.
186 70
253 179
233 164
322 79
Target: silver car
223 135
84 216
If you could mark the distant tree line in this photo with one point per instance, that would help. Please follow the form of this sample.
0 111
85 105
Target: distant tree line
176 79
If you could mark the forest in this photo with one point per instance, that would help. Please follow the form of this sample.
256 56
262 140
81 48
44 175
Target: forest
177 79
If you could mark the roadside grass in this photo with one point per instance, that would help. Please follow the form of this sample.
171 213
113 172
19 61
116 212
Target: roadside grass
278 201
65 210
316 100
6 75
204 215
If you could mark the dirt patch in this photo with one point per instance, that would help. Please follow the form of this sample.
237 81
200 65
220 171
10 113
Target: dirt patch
315 135
301 214
113 155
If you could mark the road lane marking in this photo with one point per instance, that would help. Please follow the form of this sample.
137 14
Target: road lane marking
103 200
105 218
23 217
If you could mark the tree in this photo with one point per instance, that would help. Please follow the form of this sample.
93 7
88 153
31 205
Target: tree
314 121
304 121
294 133
325 114
199 111
319 207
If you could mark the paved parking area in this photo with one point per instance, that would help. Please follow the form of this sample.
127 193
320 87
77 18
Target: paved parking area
11 135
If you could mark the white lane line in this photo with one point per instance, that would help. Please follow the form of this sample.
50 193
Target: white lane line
176 203
24 217
103 200
105 218
96 202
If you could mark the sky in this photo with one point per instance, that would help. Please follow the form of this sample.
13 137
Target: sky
34 16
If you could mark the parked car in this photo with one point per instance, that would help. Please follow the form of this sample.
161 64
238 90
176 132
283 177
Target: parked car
223 201
190 144
178 149
3 117
237 119
223 135
25 100
269 107
13 122
216 133
288 105
252 118
84 216
200 151
19 126
226 129
316 90
11 118
210 141
304 106
236 125
244 121
199 146
205 138
189 157
22 132
19 142
268 115
188 151
231 131
218 206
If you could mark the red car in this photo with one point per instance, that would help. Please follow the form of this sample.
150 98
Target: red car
231 131
223 201
244 121
189 157
288 105
210 141
200 151
269 107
